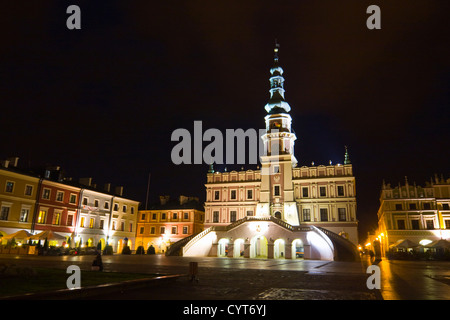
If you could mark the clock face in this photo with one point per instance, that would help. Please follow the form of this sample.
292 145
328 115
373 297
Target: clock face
276 178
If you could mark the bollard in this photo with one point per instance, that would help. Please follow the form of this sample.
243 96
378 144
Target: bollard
193 271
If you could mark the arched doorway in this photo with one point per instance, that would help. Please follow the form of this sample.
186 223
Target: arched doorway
297 249
258 247
102 243
119 246
238 249
90 242
278 215
222 248
278 249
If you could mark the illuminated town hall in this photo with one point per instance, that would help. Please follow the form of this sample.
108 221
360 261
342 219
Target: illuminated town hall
281 210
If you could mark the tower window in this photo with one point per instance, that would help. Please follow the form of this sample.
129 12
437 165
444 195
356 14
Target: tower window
276 190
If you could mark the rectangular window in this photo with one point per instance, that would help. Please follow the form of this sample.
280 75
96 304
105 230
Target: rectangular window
249 213
102 224
132 210
73 198
232 216
46 194
85 201
163 216
42 216
174 216
276 169
276 190
116 207
216 216
447 224
9 186
122 226
59 196
342 214
91 223
96 203
306 214
174 230
131 227
70 220
185 230
216 195
340 190
233 195
323 191
415 224
152 230
153 216
323 214
445 206
106 205
141 230
163 230
401 224
412 206
305 192
82 222
124 208
56 218
142 216
430 224
427 206
113 226
4 213
28 190
398 206
249 194
24 213
186 216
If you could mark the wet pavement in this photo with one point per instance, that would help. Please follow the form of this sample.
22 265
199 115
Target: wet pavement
264 279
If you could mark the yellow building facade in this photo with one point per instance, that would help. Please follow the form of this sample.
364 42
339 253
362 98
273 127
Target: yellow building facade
411 214
17 200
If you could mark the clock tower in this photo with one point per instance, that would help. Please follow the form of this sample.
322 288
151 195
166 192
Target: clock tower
277 191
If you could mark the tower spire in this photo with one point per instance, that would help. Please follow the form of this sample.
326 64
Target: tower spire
276 103
346 156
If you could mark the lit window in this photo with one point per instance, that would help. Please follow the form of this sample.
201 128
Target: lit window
56 218
91 223
24 213
82 222
42 216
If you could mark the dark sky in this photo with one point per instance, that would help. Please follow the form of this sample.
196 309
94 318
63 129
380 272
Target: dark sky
103 101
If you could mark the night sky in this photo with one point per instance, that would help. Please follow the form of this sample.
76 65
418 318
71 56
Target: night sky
103 101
